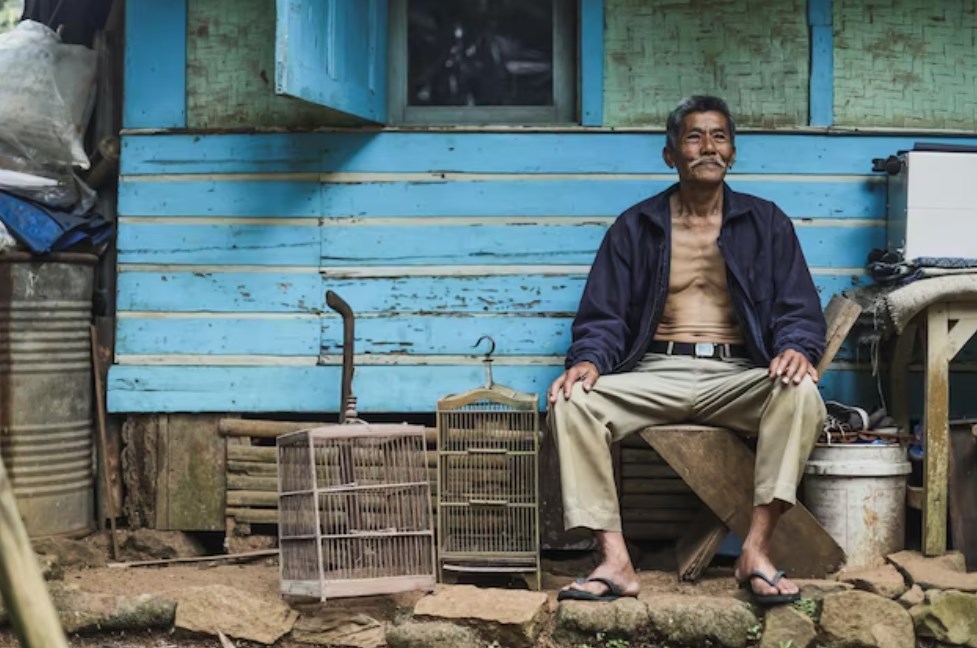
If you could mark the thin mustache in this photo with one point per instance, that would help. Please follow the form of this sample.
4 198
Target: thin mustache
709 160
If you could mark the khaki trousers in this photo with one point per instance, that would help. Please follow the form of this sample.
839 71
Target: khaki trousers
666 389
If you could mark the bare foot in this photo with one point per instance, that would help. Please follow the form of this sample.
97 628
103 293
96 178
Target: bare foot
752 560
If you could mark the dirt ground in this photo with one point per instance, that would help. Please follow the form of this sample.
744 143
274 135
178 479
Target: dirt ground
261 578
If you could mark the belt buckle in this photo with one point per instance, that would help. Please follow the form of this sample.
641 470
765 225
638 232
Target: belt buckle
704 350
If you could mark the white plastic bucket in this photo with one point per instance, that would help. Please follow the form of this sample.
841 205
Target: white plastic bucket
858 493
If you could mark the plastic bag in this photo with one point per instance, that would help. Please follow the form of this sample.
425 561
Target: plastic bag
46 98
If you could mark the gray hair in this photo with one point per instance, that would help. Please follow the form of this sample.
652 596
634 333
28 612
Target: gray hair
695 104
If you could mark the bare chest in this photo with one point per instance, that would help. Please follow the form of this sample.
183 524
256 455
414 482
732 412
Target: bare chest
695 256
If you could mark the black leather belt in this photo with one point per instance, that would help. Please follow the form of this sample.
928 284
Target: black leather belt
700 349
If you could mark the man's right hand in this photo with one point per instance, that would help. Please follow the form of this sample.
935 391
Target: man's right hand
582 371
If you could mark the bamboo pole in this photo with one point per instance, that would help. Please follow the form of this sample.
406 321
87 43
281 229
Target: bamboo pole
24 592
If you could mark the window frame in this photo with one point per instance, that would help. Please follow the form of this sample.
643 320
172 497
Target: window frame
565 81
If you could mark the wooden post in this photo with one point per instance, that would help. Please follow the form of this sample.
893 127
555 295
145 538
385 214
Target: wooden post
937 453
23 589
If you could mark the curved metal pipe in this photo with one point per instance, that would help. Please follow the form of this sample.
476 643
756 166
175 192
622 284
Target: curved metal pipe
340 305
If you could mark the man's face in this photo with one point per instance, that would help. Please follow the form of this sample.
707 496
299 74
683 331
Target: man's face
705 149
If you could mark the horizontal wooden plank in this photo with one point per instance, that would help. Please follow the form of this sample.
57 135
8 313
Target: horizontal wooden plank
253 468
830 247
270 292
297 336
258 499
653 530
247 483
652 486
311 337
631 470
296 292
448 243
265 454
134 388
657 515
668 501
232 244
185 196
451 334
253 516
486 152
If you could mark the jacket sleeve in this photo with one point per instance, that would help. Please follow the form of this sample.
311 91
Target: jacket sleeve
798 322
600 329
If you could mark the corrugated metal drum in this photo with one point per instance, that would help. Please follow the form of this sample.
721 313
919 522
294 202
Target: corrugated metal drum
46 389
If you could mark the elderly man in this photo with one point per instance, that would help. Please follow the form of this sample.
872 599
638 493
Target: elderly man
699 308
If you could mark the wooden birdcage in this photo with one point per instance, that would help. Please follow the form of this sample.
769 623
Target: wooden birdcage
354 511
488 483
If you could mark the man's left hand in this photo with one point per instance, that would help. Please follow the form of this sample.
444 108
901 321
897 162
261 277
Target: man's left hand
792 366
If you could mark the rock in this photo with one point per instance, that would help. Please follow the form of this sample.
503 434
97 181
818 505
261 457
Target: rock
234 612
70 553
82 612
860 619
949 617
817 589
947 572
578 622
339 628
700 620
149 544
511 617
913 596
432 635
786 625
51 568
885 581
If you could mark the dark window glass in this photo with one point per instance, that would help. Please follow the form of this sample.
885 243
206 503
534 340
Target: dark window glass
480 52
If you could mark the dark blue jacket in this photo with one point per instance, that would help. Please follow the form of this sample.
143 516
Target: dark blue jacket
772 292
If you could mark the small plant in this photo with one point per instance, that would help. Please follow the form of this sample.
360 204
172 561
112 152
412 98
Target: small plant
618 643
786 644
755 632
808 606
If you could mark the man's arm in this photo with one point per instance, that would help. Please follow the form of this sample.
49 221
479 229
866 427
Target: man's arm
600 330
798 322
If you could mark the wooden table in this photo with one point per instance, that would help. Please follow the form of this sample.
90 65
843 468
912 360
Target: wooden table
947 327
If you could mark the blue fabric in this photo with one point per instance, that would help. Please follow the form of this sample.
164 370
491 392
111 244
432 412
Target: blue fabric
43 230
771 288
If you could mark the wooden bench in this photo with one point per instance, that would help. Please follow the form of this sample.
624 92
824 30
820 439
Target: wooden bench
717 464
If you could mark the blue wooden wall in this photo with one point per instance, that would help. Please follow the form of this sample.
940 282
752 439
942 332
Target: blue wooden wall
228 243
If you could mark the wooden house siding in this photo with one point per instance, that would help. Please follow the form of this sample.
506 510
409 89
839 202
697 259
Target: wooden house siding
228 242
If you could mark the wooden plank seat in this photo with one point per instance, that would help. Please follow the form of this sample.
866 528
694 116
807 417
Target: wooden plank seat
717 465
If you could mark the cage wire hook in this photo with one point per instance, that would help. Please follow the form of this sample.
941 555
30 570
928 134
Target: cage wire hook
489 382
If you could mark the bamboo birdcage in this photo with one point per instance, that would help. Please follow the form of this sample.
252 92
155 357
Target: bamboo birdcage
354 511
488 484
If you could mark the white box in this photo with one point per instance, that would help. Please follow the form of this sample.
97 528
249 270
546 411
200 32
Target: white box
933 205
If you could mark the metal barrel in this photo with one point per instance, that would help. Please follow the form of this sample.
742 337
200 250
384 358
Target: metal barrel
46 428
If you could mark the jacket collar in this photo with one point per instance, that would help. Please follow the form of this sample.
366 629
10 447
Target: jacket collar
658 209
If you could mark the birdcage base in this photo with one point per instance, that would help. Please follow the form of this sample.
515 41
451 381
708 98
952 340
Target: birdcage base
526 566
359 587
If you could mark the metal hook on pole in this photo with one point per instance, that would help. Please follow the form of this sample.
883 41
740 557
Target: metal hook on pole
489 382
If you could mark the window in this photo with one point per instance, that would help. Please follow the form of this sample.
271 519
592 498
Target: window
482 62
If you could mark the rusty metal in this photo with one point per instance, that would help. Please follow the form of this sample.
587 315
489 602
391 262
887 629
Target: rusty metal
46 413
347 404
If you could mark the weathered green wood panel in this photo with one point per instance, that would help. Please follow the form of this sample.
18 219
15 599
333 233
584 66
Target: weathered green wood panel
906 63
231 70
754 53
